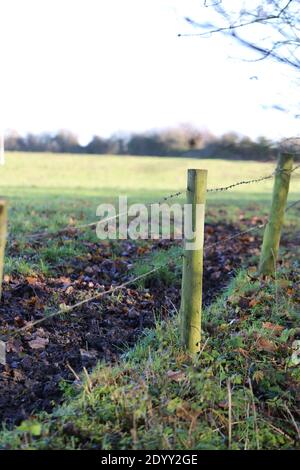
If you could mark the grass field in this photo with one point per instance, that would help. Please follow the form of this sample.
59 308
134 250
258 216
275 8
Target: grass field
102 176
157 397
57 187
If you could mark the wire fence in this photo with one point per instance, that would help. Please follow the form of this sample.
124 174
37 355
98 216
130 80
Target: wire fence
119 287
172 258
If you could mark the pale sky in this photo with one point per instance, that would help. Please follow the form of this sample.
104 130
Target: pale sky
106 66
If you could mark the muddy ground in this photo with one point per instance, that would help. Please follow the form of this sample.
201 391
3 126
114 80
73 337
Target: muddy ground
56 350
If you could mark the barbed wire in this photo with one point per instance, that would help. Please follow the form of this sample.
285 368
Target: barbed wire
71 228
292 205
219 242
97 296
239 234
295 168
171 196
226 188
256 180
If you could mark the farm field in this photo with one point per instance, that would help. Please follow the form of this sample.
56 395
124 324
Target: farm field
62 174
45 190
52 397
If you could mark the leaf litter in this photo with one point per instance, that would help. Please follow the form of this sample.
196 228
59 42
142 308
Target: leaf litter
39 359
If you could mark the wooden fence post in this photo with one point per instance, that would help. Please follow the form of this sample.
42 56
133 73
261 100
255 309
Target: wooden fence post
270 246
3 231
191 288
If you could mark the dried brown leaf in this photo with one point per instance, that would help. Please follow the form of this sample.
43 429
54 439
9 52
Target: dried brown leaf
38 343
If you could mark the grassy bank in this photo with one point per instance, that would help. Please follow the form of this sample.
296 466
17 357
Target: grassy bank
240 393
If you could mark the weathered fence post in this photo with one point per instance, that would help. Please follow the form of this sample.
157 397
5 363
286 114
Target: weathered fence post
191 288
3 231
272 232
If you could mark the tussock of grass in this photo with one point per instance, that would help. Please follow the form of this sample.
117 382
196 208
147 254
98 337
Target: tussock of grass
26 268
158 397
169 263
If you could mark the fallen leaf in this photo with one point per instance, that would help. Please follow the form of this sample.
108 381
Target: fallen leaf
223 404
264 344
89 270
69 290
92 354
31 280
18 375
242 351
253 302
42 333
14 345
33 303
277 329
38 343
70 270
177 376
216 275
19 321
142 249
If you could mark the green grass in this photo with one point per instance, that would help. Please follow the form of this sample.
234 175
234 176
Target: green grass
157 397
76 176
48 190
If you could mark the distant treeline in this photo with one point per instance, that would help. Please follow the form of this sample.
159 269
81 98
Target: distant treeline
181 141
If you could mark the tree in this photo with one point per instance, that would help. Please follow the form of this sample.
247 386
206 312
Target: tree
13 141
270 28
66 142
182 138
146 144
97 146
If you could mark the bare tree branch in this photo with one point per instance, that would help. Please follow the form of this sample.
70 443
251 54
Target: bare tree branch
280 20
